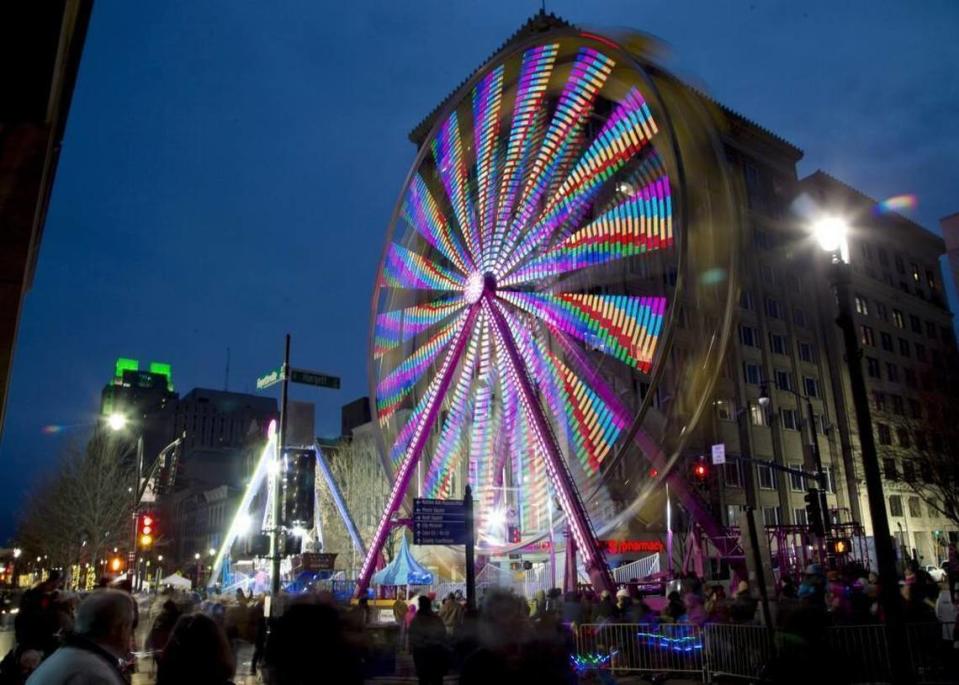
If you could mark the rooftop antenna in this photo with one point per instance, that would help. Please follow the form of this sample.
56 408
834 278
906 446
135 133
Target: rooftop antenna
226 377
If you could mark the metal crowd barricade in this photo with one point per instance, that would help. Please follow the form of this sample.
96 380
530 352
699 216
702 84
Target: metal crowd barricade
740 651
641 648
861 650
932 656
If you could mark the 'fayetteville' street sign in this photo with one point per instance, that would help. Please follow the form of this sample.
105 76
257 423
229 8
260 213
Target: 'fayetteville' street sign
314 378
273 377
439 522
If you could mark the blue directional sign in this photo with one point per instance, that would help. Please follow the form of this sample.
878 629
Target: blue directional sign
439 522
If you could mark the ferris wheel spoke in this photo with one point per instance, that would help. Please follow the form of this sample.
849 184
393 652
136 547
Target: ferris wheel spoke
400 382
626 133
624 327
450 446
399 325
407 269
586 79
641 224
536 68
448 153
421 211
487 103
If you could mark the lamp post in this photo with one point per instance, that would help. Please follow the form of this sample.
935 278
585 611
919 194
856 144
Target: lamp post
117 422
830 232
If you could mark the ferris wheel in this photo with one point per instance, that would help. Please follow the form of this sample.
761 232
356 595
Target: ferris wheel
525 297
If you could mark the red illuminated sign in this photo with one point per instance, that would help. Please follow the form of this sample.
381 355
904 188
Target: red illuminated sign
631 546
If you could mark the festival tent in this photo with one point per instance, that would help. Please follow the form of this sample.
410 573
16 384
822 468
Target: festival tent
403 570
176 581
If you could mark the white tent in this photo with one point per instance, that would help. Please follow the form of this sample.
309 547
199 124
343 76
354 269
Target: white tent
176 581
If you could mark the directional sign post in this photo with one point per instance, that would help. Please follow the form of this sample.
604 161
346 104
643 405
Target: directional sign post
439 522
314 378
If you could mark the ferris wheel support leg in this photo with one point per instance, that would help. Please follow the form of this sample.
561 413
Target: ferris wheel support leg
559 474
408 466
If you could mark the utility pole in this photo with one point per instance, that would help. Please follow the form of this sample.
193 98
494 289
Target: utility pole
885 554
278 484
470 550
132 571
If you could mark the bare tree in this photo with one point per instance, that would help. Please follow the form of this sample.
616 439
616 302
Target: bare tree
80 512
932 471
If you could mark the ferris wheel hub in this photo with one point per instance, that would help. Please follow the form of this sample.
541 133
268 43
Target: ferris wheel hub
477 285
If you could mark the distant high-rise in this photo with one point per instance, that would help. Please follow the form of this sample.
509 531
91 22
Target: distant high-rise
143 397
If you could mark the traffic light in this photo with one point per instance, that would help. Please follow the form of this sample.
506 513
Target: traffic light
299 487
146 530
841 546
814 512
700 471
513 534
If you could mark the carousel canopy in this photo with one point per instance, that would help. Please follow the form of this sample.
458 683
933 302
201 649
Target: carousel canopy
403 570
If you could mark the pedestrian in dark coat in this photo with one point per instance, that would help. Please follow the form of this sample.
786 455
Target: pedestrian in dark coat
428 644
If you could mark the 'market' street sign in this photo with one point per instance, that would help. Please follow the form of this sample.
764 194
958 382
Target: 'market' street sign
439 522
314 378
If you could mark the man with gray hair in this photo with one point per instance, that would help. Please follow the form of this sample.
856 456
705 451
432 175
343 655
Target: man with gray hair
91 655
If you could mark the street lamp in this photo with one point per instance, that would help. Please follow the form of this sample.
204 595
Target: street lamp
830 232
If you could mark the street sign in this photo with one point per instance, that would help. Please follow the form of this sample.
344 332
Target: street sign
314 378
272 377
439 522
719 454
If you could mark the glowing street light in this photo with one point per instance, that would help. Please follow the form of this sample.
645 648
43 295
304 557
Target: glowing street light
830 233
17 552
116 421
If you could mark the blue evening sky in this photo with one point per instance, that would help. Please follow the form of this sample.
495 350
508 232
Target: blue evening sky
229 168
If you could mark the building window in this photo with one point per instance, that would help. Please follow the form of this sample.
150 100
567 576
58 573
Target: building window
790 419
805 352
872 367
903 347
914 509
799 516
771 516
892 372
749 336
733 472
909 375
886 341
882 312
897 319
811 386
915 409
862 305
732 513
767 477
915 272
746 300
724 410
895 505
889 471
796 481
879 399
830 474
777 343
784 380
799 317
866 336
897 405
902 435
908 471
900 265
766 272
774 308
930 330
933 507
884 434
752 373
915 324
757 414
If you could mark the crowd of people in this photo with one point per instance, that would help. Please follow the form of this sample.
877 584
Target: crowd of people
63 638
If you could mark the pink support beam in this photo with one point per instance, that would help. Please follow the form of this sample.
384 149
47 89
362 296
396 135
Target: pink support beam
556 467
414 451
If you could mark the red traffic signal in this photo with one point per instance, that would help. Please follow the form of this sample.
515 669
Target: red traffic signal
146 529
700 472
513 534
